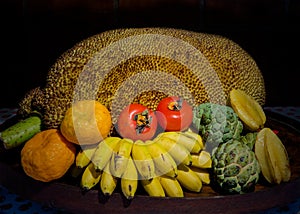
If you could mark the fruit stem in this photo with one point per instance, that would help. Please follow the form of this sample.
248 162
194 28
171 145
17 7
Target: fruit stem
143 120
175 105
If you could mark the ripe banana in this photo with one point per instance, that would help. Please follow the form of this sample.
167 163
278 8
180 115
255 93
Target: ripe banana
153 187
189 179
197 138
119 159
179 153
188 139
202 173
143 160
84 156
129 180
104 152
90 177
171 186
164 163
108 182
202 160
272 157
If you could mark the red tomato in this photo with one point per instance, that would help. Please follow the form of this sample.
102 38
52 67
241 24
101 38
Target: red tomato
137 122
174 114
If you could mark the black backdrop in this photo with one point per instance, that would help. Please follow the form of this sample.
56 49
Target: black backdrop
34 33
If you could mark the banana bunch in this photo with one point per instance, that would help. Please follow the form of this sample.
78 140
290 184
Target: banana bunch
109 162
164 166
82 160
272 157
199 159
176 159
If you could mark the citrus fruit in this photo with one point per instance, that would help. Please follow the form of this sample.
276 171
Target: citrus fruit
47 155
86 122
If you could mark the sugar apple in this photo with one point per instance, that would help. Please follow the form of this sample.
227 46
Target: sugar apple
235 168
216 124
249 139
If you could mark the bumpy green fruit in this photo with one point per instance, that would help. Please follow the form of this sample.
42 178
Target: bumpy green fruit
216 124
235 168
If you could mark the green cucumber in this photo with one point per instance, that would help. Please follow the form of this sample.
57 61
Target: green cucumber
20 132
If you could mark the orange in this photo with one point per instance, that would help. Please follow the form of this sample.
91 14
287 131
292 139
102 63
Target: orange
86 122
47 155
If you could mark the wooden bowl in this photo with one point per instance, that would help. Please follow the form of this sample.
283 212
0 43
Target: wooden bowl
65 194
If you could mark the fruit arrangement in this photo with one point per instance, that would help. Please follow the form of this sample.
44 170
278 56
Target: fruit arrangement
219 145
192 123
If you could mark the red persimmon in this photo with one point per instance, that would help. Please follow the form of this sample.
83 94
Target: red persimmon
174 114
137 122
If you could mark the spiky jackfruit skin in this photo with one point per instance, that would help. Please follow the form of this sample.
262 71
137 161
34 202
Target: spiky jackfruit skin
216 124
235 168
234 67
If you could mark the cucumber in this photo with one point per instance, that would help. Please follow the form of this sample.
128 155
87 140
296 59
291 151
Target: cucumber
20 132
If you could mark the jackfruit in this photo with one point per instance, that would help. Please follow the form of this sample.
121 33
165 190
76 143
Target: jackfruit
144 65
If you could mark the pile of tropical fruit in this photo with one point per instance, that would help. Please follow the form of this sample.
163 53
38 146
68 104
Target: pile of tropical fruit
162 110
169 151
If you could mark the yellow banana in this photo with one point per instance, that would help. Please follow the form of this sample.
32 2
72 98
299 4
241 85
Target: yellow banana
119 158
153 187
202 160
179 153
143 160
84 156
108 182
164 163
90 177
190 140
129 180
171 186
104 152
202 173
197 138
189 179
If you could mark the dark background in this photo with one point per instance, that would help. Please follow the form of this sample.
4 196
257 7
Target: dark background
35 32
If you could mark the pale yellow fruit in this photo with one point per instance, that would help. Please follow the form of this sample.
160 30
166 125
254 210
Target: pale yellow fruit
248 109
202 160
263 159
202 173
272 157
189 179
86 122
